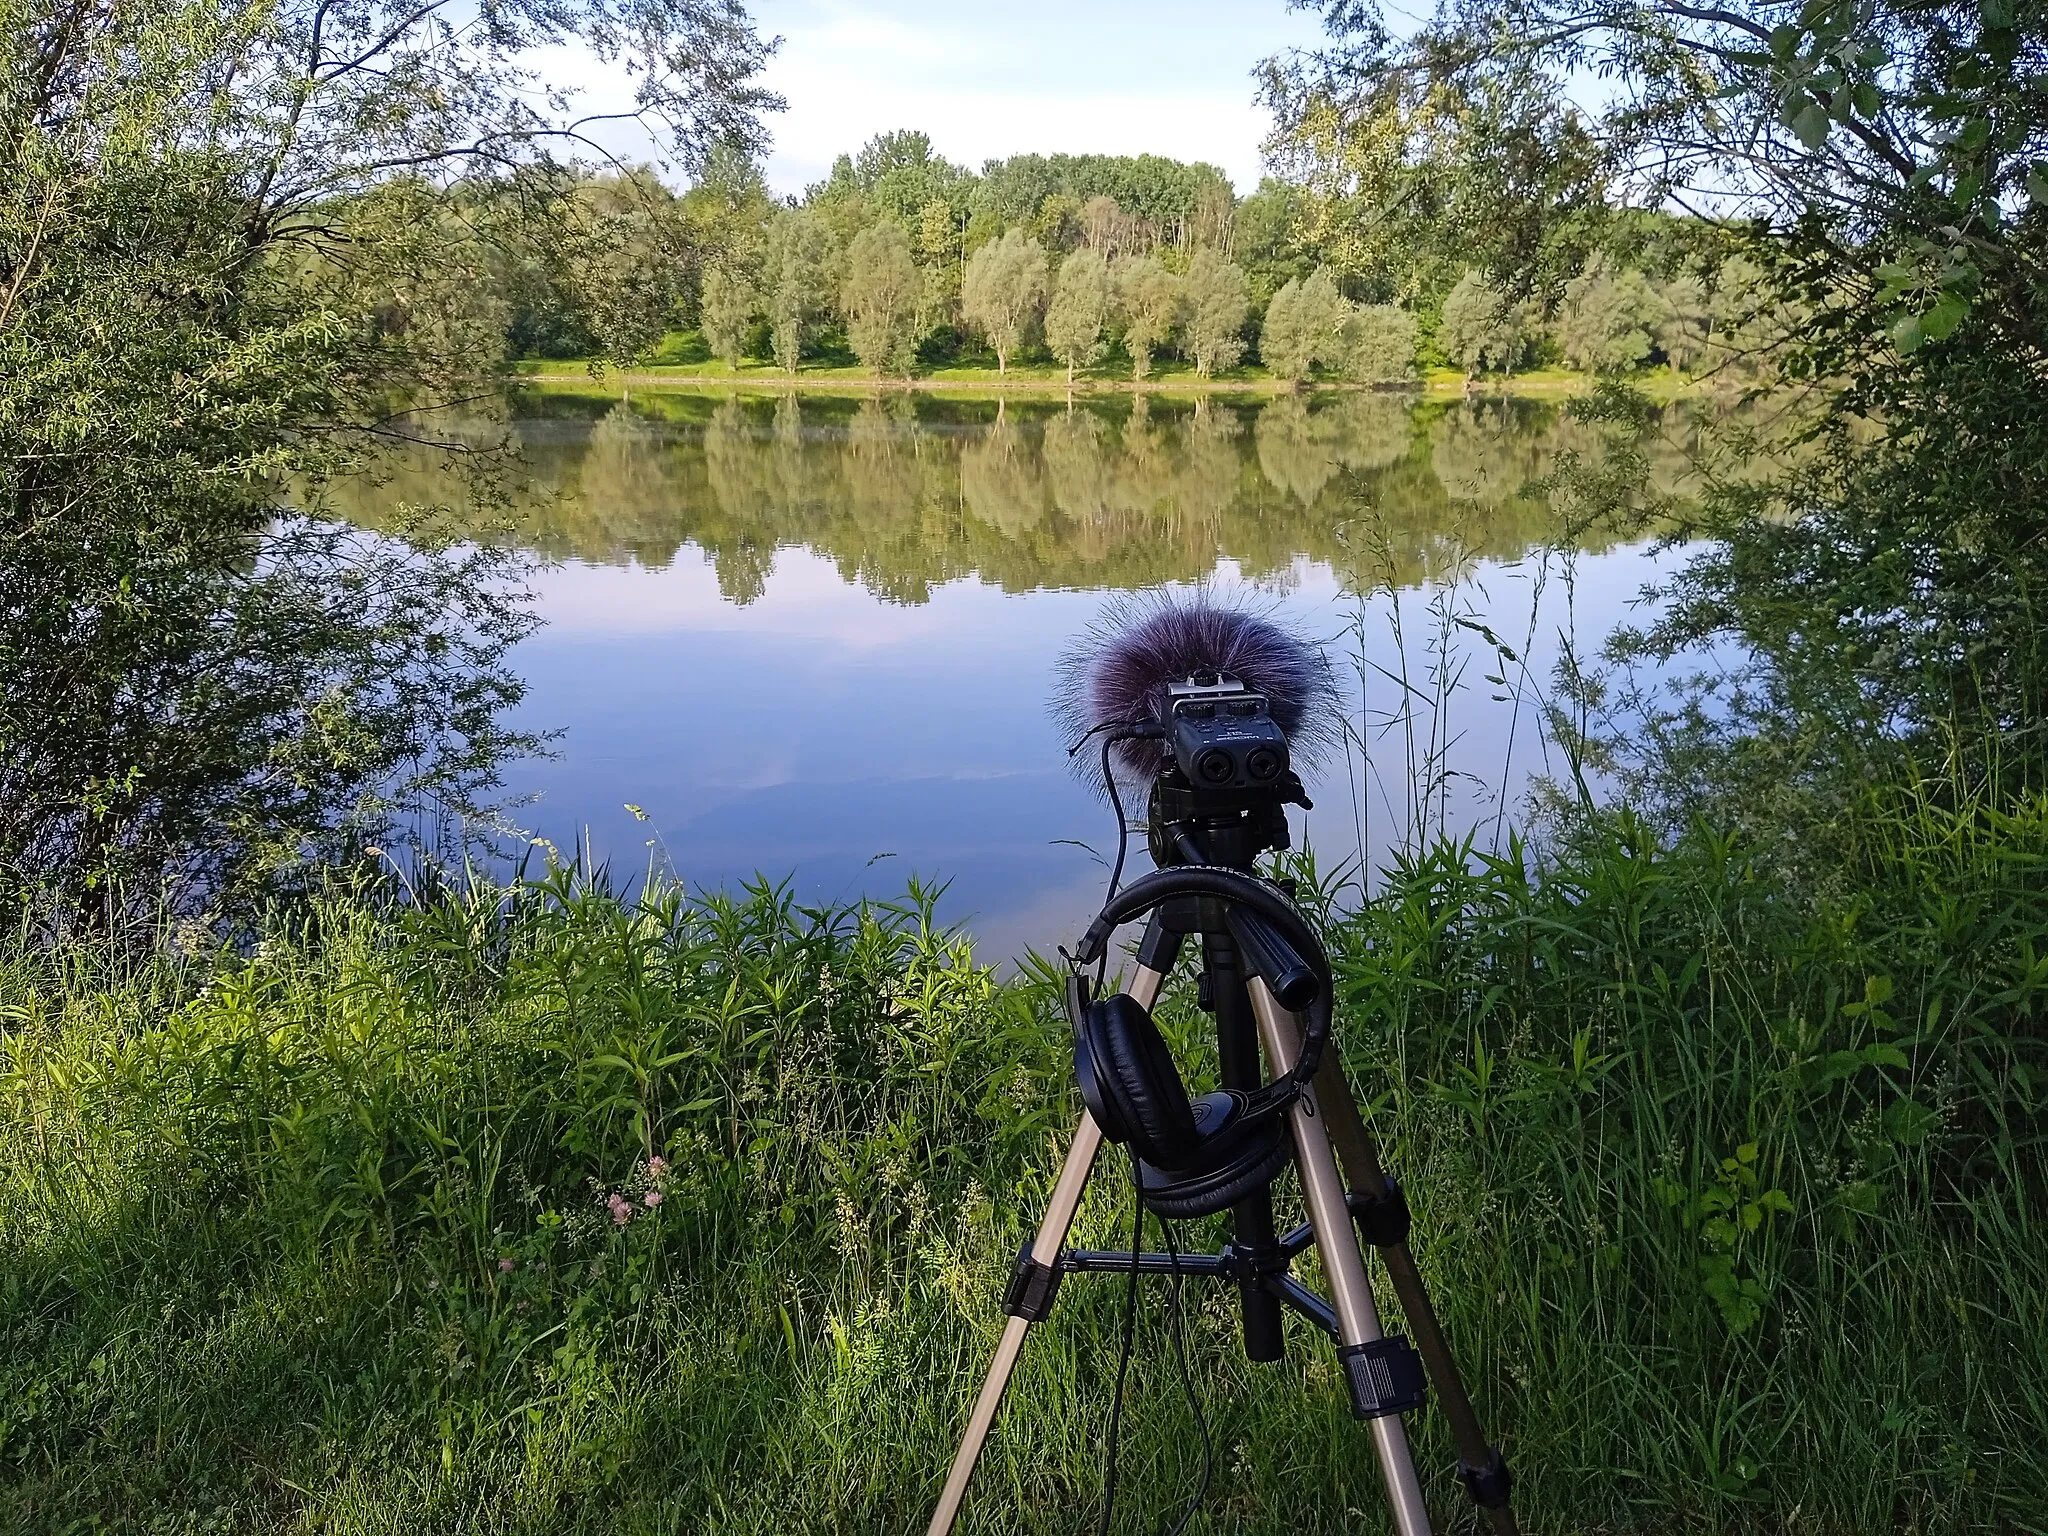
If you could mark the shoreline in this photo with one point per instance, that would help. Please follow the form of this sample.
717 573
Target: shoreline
1436 387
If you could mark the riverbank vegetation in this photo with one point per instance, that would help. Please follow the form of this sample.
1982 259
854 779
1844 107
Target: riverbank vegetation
328 1201
1102 268
532 1209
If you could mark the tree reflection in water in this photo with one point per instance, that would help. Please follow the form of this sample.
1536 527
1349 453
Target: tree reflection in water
907 492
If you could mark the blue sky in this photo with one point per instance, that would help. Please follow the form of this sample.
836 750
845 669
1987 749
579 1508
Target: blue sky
984 80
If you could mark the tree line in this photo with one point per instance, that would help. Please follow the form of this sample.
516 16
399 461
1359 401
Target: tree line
901 259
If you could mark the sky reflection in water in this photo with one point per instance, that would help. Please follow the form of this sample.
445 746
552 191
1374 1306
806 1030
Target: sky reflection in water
817 638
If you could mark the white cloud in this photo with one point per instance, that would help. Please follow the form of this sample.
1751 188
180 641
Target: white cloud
1058 76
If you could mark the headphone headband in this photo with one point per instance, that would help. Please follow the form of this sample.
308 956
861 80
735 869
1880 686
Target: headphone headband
1268 901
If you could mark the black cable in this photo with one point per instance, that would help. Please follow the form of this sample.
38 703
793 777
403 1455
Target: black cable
1123 831
1123 1365
1187 1383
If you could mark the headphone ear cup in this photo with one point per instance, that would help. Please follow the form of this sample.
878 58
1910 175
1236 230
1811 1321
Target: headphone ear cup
1135 1076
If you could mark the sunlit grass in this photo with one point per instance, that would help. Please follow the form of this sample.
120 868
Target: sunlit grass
1734 1208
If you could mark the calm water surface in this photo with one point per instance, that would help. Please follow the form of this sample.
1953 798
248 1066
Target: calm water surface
814 637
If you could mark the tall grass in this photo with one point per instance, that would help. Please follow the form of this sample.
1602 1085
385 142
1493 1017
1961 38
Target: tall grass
540 1210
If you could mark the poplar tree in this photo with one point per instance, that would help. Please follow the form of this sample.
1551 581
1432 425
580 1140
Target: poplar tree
1003 291
1080 308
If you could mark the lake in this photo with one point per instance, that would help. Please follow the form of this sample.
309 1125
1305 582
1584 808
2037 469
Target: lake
814 636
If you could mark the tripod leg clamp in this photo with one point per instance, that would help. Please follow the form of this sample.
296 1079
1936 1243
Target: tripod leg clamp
1032 1288
1385 1376
1489 1485
1382 1219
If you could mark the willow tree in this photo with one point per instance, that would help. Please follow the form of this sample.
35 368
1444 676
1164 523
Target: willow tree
1003 290
726 308
1305 325
1151 301
1218 300
1079 309
880 297
796 283
233 237
1482 329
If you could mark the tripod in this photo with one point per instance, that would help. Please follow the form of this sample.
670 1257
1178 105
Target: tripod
1247 968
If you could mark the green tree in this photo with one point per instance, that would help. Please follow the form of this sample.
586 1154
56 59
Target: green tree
1379 344
1151 302
1003 291
796 281
230 242
726 312
1218 299
880 297
1610 318
1305 325
1079 309
1403 184
939 262
1482 328
1685 326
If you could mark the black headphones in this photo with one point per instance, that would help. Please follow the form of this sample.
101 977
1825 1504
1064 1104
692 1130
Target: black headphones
1208 1153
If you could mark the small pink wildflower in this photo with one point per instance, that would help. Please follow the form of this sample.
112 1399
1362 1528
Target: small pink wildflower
651 1199
506 1266
657 1166
621 1209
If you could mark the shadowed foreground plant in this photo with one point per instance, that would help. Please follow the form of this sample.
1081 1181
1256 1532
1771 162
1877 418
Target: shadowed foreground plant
535 1209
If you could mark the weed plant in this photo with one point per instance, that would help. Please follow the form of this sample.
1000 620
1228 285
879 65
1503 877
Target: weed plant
535 1209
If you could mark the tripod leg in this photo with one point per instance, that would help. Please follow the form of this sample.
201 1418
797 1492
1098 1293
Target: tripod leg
1485 1473
1358 1319
1251 1219
1045 1256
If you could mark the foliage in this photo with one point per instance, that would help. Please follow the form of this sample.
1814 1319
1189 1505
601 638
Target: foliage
796 281
535 1206
1080 307
1610 320
1379 344
1218 300
726 312
880 297
1305 325
1482 328
1003 291
1405 182
1151 304
1167 202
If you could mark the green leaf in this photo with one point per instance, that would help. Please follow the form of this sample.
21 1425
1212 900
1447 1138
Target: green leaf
1885 1054
1909 1123
1908 336
1947 314
1866 99
1810 124
1785 42
1995 13
2037 183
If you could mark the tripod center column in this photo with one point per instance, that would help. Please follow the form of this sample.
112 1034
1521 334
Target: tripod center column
1237 1050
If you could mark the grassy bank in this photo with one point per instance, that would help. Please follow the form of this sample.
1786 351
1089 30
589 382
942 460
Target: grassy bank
1662 384
535 1211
